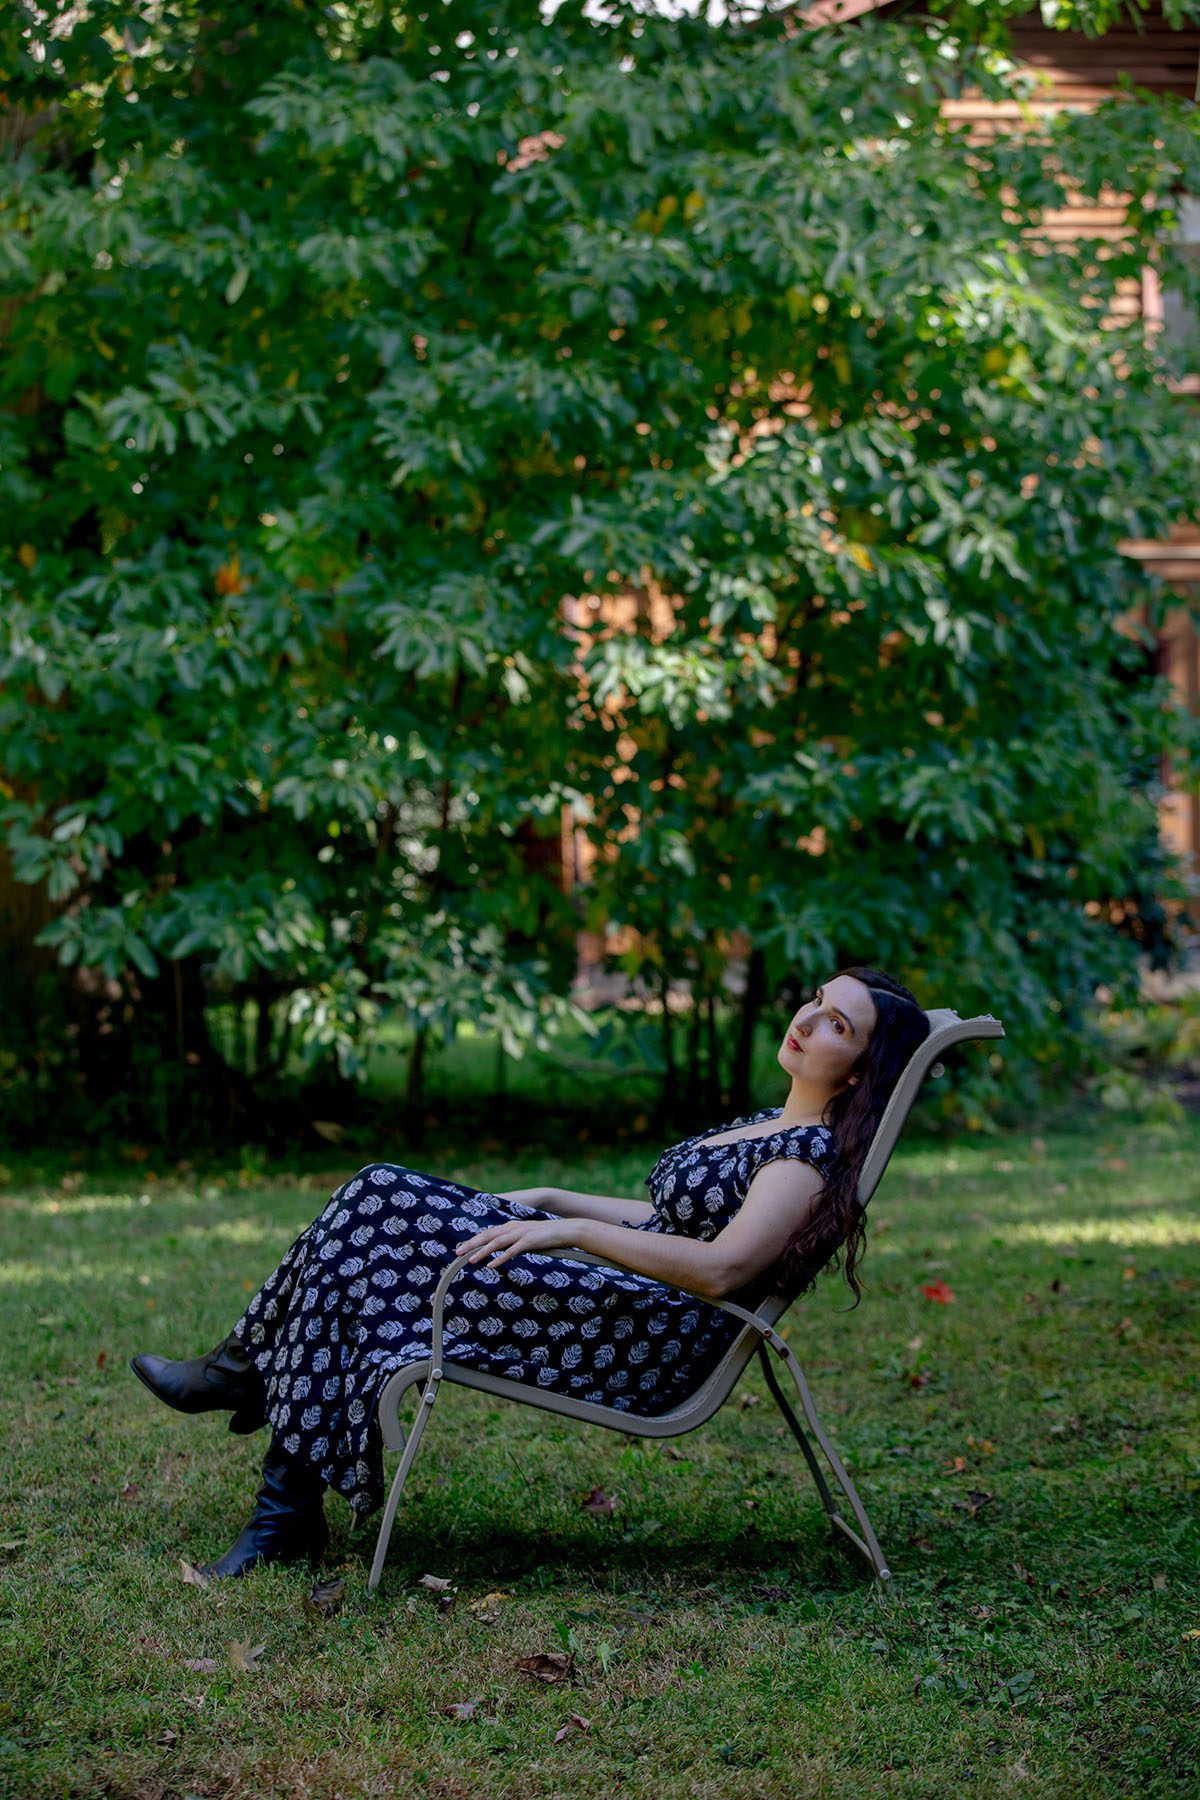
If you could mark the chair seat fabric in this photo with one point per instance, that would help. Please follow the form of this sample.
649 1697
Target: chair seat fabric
349 1304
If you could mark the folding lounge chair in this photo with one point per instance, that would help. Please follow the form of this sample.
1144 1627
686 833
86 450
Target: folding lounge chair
945 1029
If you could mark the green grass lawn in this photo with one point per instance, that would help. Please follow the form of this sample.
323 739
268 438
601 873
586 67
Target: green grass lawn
1027 1452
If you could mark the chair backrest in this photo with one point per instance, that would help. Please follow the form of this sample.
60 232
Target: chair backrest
945 1029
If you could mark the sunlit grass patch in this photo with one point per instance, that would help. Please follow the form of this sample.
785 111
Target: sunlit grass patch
1160 1229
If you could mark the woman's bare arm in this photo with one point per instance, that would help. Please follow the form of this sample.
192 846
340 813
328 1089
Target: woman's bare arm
778 1201
608 1208
682 1262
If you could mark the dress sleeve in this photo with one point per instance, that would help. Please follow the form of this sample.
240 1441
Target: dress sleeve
811 1144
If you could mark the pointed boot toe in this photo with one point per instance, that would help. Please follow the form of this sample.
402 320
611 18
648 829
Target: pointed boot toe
255 1546
223 1380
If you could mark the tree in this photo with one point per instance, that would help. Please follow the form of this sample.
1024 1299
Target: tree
361 339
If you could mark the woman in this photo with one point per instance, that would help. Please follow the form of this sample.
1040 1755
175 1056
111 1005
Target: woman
747 1209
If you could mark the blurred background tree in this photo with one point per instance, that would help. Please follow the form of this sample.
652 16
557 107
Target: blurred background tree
350 352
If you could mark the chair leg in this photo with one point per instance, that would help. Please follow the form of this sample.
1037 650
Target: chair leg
867 1544
424 1406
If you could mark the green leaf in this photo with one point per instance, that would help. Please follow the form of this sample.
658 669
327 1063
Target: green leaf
141 955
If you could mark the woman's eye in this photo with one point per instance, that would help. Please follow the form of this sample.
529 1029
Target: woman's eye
837 1022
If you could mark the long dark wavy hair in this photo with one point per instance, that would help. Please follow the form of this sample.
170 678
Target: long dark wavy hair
836 1222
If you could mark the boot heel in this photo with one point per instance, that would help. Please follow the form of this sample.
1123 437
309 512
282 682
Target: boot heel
243 1423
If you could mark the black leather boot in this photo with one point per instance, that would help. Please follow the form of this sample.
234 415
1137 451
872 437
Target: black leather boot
223 1379
288 1521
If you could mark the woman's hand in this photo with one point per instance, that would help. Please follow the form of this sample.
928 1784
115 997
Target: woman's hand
499 1242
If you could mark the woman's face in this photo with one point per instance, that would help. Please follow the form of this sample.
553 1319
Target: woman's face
829 1034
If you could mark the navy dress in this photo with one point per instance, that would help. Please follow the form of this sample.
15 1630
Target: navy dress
351 1302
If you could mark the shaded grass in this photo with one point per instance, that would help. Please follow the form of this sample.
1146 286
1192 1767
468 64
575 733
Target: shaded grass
1028 1454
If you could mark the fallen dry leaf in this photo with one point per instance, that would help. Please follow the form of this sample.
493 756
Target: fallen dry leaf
437 1582
748 1399
326 1597
575 1719
598 1502
200 1665
487 1610
770 1592
167 1738
332 1132
130 1491
547 1665
1160 1582
101 1358
956 1465
191 1574
461 1709
244 1657
977 1500
938 1291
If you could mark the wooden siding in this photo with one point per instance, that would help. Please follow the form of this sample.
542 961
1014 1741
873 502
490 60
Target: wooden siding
1075 72
1082 71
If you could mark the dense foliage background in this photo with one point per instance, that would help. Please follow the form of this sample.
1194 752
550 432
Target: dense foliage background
350 353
